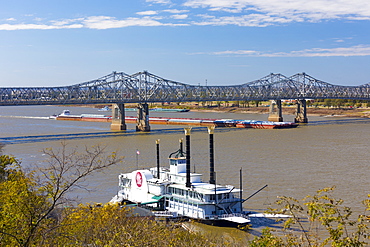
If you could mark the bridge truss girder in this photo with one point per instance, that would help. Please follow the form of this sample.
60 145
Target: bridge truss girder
144 87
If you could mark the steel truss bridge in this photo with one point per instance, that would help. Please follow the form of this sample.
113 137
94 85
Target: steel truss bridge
144 87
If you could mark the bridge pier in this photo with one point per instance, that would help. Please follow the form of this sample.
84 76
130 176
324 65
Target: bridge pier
118 117
142 123
301 112
275 112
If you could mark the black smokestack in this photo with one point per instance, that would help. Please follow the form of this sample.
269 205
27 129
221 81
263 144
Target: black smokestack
181 147
157 144
187 135
211 156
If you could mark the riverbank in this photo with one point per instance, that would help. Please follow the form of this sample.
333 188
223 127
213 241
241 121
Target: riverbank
311 111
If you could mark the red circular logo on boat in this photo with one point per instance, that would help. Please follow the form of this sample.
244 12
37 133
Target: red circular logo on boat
139 179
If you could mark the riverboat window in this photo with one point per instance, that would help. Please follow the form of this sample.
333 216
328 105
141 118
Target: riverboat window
212 197
126 181
181 161
200 196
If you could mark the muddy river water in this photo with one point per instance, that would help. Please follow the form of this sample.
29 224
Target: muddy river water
296 162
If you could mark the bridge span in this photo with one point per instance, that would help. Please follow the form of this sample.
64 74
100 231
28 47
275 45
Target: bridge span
142 88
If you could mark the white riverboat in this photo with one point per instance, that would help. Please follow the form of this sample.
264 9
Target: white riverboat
177 192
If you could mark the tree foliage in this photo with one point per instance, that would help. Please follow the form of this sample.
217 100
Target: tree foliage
28 201
329 223
109 225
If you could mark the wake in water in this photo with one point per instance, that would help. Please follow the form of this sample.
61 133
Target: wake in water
60 137
341 121
24 117
57 137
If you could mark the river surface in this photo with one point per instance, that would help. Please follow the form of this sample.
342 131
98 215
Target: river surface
296 162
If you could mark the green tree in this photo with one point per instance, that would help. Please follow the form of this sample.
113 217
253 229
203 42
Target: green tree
245 103
267 239
328 103
29 201
110 225
321 210
19 204
6 164
339 102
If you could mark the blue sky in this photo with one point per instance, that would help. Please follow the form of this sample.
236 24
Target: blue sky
223 42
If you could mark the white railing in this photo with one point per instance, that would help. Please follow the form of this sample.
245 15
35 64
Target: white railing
223 216
165 214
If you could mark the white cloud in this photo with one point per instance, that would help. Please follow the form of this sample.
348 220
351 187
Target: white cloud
38 19
179 17
106 22
176 11
359 50
239 52
9 27
359 18
159 1
313 10
149 12
243 13
253 20
95 22
66 22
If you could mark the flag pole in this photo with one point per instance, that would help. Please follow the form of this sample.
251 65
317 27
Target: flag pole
137 159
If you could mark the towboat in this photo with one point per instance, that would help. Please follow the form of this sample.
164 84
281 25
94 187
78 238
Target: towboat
66 115
175 191
105 108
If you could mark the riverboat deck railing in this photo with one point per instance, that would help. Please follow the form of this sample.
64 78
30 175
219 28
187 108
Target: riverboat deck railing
224 216
165 214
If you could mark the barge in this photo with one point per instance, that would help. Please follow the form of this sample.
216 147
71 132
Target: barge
160 110
256 124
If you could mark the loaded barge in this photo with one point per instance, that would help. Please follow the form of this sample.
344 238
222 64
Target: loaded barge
256 124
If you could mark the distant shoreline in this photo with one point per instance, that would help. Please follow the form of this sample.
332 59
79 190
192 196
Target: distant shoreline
311 111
